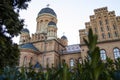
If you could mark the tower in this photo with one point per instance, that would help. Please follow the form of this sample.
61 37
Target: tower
45 16
24 36
64 40
106 25
52 30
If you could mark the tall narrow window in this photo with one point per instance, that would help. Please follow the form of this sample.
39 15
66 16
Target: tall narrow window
106 21
109 36
71 62
80 60
100 22
103 54
116 34
25 61
108 28
114 27
116 52
47 62
30 63
95 30
103 35
102 29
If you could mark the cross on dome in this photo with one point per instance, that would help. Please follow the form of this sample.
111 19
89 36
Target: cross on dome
48 5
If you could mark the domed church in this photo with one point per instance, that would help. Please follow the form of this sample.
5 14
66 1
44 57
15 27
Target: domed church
44 47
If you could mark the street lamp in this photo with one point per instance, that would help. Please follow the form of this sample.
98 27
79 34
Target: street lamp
45 39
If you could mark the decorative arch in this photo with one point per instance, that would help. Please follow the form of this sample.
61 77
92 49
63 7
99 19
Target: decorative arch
116 52
103 55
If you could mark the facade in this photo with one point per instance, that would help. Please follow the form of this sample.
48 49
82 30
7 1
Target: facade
45 48
106 25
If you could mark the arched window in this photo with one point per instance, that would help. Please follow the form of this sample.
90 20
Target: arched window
108 28
116 34
114 27
30 63
109 35
80 60
103 54
25 61
100 22
116 52
71 62
47 62
102 29
103 35
106 21
95 30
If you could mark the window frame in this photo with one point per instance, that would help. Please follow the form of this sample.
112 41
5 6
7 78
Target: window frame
109 35
116 34
103 54
71 62
116 52
103 36
100 22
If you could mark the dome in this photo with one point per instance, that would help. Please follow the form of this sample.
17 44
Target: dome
25 30
52 23
64 37
37 65
47 10
29 46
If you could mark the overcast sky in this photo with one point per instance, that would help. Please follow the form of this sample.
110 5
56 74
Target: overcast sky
71 15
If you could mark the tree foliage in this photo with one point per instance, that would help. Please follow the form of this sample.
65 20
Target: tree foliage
10 26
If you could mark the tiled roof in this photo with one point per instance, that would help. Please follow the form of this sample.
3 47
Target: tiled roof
72 49
29 46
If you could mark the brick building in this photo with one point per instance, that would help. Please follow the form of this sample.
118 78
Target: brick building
45 48
106 25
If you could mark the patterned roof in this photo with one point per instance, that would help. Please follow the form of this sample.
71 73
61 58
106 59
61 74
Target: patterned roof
29 46
72 49
47 10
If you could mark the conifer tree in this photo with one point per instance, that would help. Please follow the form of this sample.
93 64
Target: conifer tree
10 26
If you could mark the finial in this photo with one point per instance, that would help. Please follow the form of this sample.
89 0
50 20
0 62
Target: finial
48 5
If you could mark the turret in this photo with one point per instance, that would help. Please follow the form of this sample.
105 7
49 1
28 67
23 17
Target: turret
52 30
64 40
45 16
24 36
